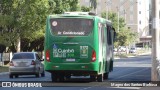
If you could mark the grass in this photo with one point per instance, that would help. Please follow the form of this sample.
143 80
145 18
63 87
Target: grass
3 69
124 55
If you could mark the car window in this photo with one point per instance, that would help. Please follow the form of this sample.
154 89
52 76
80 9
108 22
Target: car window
133 48
23 56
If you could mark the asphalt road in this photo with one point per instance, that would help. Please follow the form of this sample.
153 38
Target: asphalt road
128 74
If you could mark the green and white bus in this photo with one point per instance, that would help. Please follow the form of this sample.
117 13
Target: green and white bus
78 45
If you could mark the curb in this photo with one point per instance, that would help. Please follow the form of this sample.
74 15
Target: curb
149 53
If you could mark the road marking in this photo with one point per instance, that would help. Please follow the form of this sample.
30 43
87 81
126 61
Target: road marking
86 88
130 74
128 87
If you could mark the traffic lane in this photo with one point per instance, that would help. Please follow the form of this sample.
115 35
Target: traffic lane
129 69
130 74
146 59
118 74
70 88
26 78
74 82
150 88
132 69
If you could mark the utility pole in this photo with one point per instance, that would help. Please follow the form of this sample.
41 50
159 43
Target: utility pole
125 16
118 17
155 39
107 10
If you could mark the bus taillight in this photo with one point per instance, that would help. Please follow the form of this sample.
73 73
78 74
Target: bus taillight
33 62
93 56
48 55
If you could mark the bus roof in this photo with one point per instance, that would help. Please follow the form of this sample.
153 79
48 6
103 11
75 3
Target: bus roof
80 14
71 15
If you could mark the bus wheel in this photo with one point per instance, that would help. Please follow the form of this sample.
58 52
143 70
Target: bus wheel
16 76
54 77
10 76
93 78
61 78
67 77
37 75
100 78
105 76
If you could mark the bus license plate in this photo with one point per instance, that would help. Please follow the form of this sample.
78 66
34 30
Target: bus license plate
70 60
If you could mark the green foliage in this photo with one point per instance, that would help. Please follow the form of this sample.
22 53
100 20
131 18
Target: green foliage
74 5
60 6
124 36
22 19
85 9
25 19
5 20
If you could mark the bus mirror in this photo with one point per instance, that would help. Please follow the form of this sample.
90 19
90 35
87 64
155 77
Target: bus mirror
115 34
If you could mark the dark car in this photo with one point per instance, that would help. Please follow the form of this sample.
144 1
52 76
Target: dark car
26 63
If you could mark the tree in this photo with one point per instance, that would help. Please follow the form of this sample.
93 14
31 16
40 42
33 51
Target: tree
85 9
74 5
25 20
60 6
6 23
124 36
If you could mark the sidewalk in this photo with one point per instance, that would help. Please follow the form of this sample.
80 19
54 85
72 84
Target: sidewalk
140 54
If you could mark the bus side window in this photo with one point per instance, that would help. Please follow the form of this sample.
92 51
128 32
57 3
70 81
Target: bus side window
109 38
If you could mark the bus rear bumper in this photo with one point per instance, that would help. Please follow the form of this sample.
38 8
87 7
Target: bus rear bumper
73 68
74 72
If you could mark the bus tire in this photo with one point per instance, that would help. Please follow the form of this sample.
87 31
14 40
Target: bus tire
61 78
16 76
105 76
37 75
43 74
54 77
100 78
67 77
93 78
10 76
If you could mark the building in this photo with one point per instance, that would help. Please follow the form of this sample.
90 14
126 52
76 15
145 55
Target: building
135 13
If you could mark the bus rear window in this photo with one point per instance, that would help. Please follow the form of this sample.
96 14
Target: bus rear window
71 26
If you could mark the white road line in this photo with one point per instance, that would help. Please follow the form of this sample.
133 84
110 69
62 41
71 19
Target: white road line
128 87
130 73
86 88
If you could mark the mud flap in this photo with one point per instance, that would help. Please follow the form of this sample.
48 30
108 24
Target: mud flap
111 65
